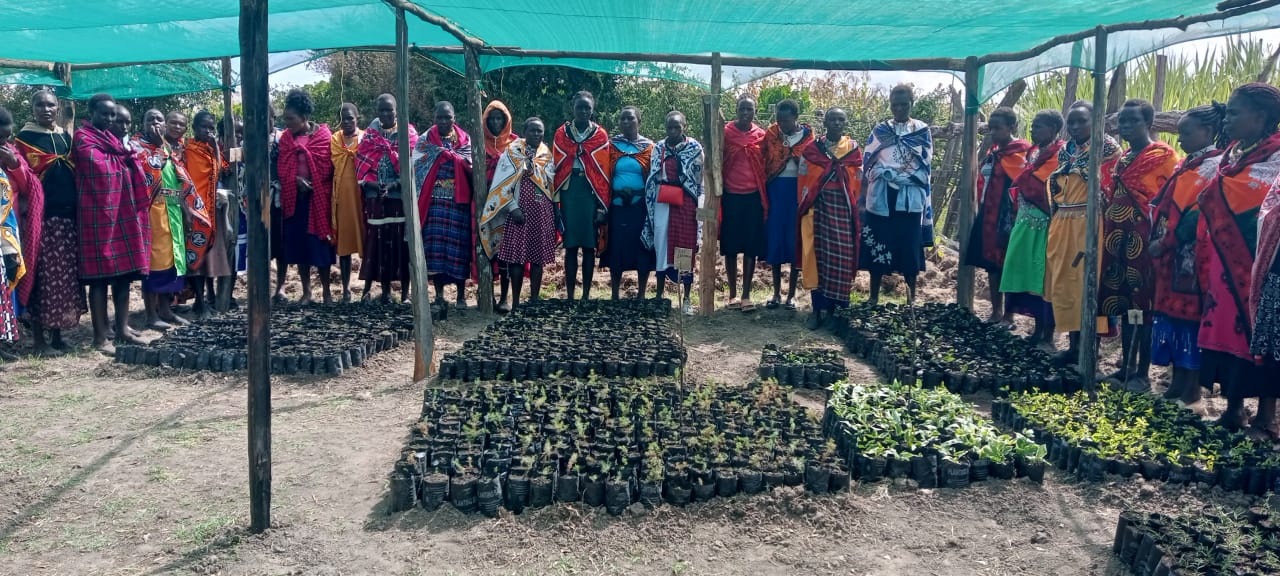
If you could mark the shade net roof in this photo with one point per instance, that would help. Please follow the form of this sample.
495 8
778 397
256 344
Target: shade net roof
812 32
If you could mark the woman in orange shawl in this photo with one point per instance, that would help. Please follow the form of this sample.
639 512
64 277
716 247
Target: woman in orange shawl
348 210
497 136
827 247
1125 284
1176 306
1225 253
1022 279
783 151
745 205
582 152
203 157
997 208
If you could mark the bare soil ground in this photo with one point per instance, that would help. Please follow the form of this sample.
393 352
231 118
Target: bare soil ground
109 470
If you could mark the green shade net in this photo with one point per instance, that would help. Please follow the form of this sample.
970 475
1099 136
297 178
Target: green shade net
808 32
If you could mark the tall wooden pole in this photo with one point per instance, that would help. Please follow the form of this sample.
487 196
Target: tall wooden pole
713 126
1069 95
968 179
479 184
227 284
1162 71
1089 312
423 337
67 105
253 75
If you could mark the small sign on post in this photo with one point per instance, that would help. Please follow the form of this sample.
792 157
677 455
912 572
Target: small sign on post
684 259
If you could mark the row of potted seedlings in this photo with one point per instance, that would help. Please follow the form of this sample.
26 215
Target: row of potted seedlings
801 366
610 443
322 340
946 345
928 435
622 338
1212 541
1123 433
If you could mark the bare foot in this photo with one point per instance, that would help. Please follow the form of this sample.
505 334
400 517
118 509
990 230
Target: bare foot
159 325
105 347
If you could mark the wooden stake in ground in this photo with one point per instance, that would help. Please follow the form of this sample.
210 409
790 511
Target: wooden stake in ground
227 284
713 130
968 179
1089 309
257 133
424 339
479 184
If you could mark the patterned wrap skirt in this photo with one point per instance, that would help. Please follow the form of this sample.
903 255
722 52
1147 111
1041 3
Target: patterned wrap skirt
447 238
892 243
57 300
386 253
533 241
835 246
1175 342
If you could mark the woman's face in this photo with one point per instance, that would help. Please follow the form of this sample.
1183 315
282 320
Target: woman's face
386 113
175 126
787 121
1001 131
1131 125
533 132
349 119
1242 121
583 108
444 119
1042 133
103 115
1193 136
746 112
1079 124
44 107
628 123
153 126
900 106
6 132
295 122
835 121
495 121
206 129
675 128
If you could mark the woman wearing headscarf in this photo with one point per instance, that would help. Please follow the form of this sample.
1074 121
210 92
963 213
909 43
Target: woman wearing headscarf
745 204
517 226
1227 243
170 188
1022 279
306 187
497 136
828 239
50 292
783 151
630 156
582 152
673 192
442 164
1065 246
997 208
1125 284
114 231
385 258
1176 214
348 210
899 222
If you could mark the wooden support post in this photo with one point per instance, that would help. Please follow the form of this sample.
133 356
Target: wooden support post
968 179
1070 94
1162 70
227 284
1089 313
423 336
709 213
67 105
253 75
1119 86
479 184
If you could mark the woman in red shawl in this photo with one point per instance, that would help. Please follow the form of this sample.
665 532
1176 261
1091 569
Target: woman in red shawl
306 187
1225 251
1022 279
50 292
997 208
497 136
582 153
830 190
1176 305
1125 283
745 204
114 229
386 253
442 168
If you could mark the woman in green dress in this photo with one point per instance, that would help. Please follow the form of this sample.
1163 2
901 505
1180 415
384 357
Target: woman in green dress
1022 281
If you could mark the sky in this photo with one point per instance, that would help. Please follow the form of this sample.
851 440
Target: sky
302 74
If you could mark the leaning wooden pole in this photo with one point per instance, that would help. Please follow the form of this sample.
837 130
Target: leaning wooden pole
709 213
1089 309
479 184
253 76
1069 94
423 336
227 284
968 179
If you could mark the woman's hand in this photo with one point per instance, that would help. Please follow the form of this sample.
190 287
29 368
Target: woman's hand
7 158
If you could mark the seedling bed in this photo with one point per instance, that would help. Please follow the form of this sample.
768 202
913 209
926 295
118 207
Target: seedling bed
623 338
608 443
802 367
1211 542
318 339
931 436
1124 433
944 344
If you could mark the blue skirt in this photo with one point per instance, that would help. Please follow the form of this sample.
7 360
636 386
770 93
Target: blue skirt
299 246
163 282
1175 342
780 225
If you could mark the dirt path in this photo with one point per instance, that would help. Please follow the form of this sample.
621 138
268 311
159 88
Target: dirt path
108 470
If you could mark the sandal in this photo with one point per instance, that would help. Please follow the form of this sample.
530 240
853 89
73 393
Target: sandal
748 306
772 304
734 304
